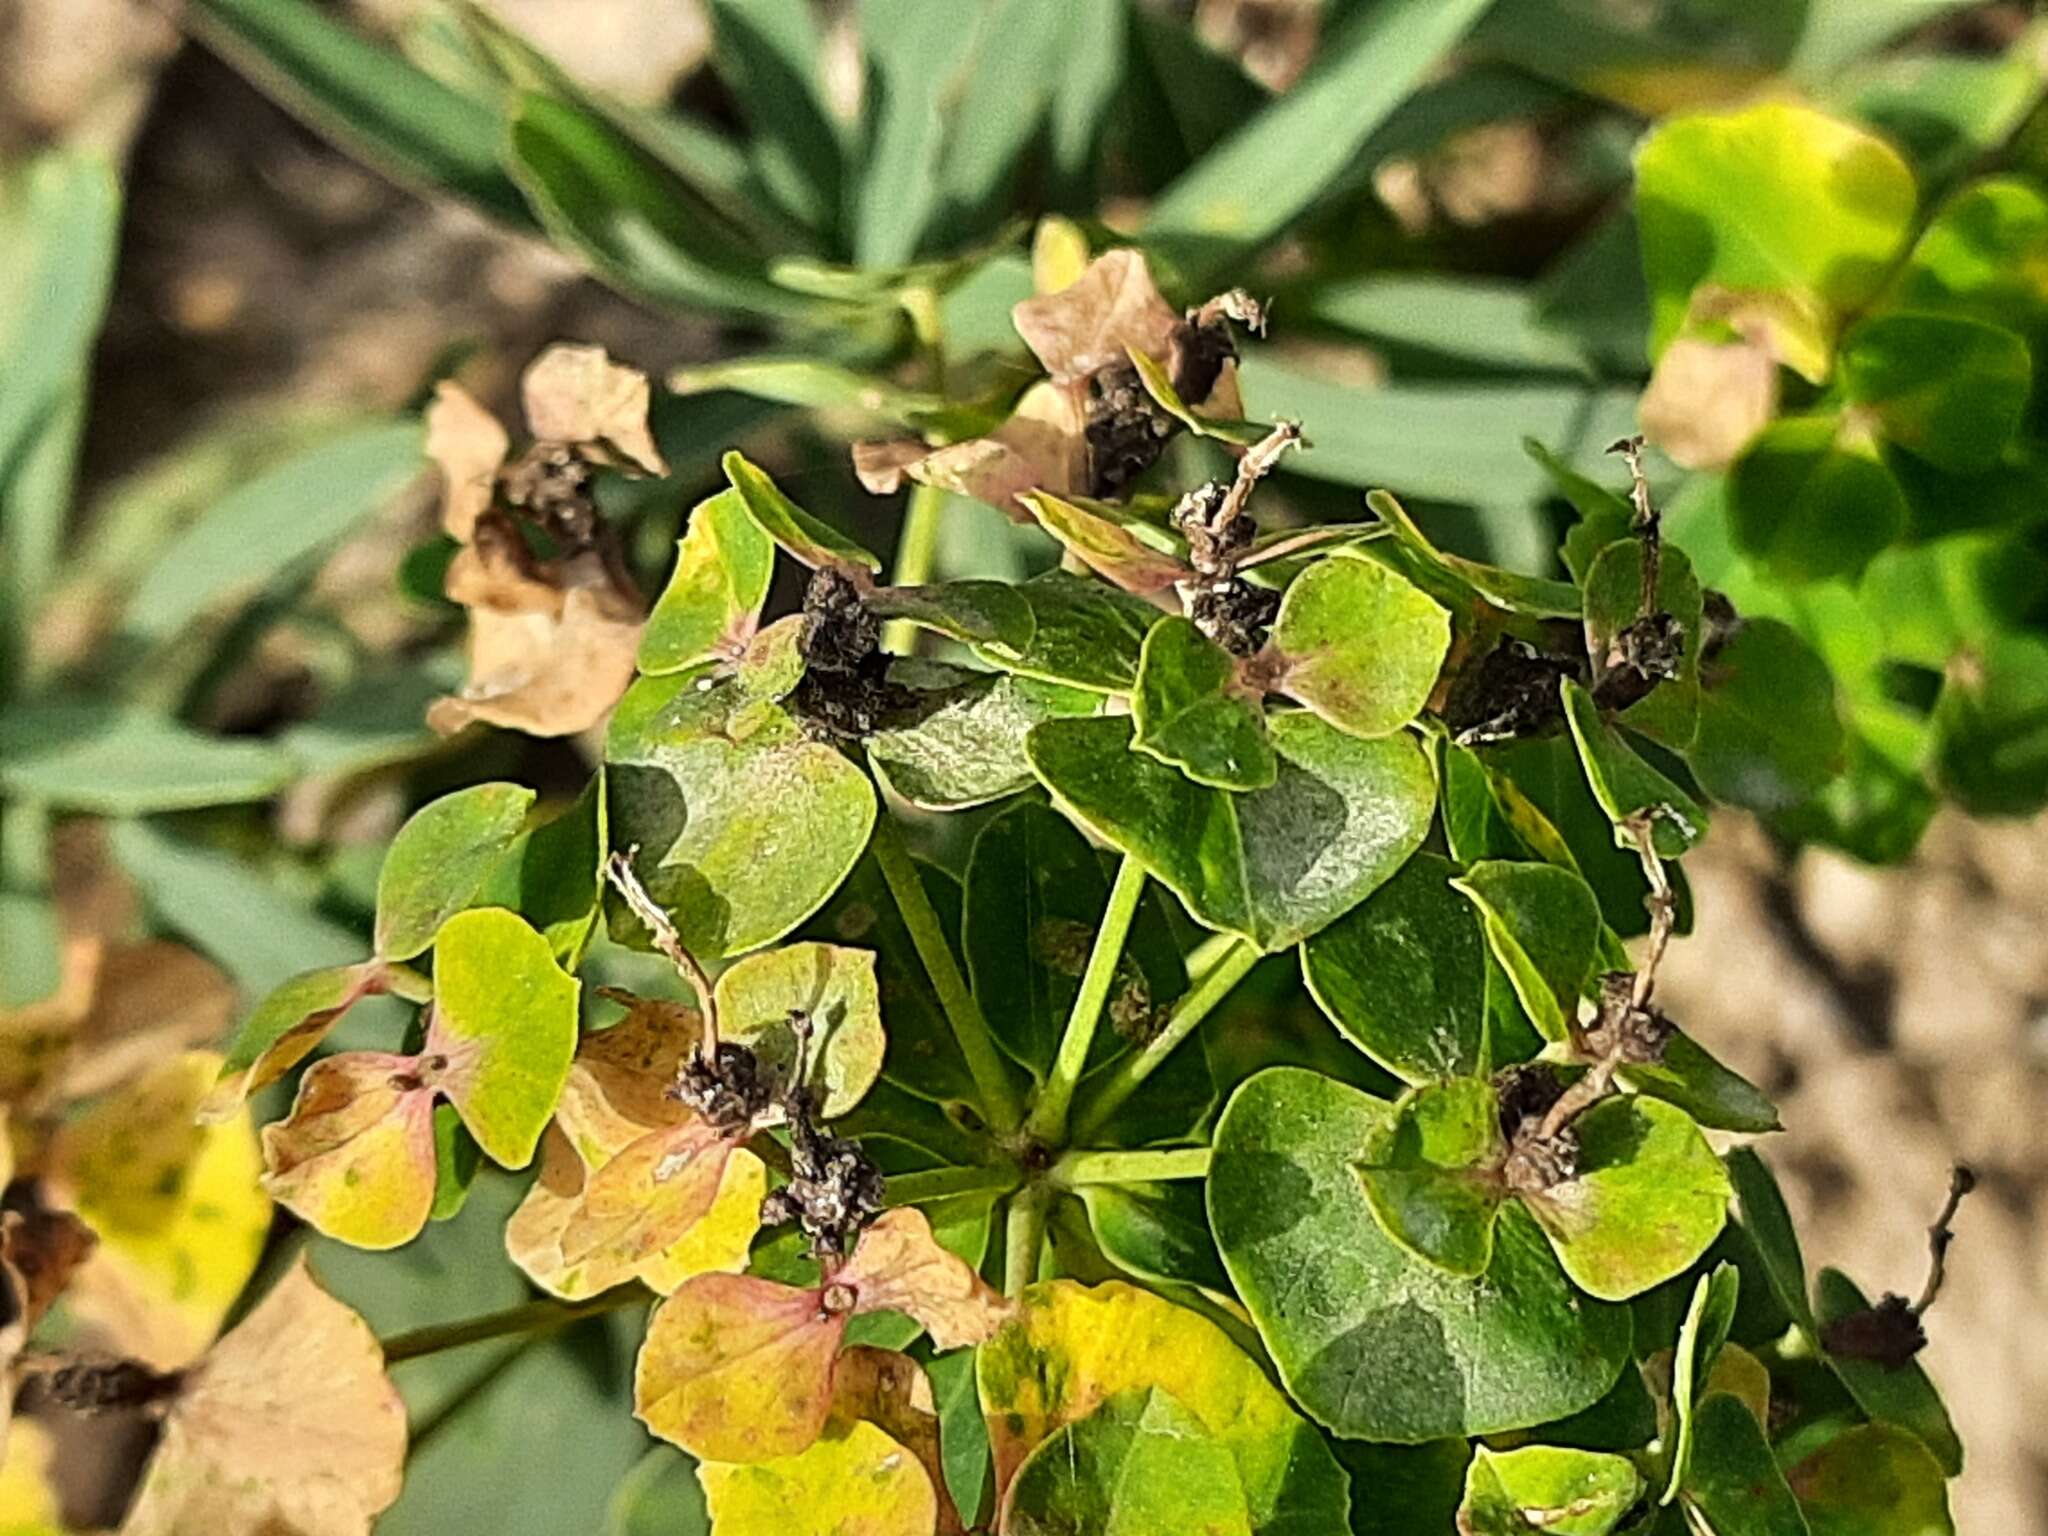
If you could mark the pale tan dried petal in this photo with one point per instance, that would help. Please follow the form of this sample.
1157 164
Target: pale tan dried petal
576 394
288 1427
882 467
1113 306
1042 447
469 445
899 1266
1707 400
551 643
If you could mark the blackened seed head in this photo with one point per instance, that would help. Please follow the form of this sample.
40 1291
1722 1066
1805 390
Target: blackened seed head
551 483
1126 430
1888 1334
1199 353
1525 1093
840 631
1235 614
1512 693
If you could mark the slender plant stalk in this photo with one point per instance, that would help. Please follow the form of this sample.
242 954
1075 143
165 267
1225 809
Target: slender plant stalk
1024 1237
970 1029
917 550
1111 1167
460 1399
1127 1076
1048 1122
532 1317
943 1183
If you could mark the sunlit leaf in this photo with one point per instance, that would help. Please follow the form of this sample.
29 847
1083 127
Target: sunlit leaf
714 595
439 859
355 1158
286 1027
1431 1175
1872 1480
1627 787
1190 710
834 990
1735 1486
1543 925
1139 1465
1359 645
1547 1488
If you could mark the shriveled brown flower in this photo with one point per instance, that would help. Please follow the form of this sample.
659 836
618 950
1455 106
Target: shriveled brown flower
1092 425
552 640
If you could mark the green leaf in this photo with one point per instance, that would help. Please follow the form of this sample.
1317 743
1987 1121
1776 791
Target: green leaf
1083 634
457 1160
62 220
1139 1465
552 874
640 227
1770 1230
1614 600
1071 1348
803 537
272 529
1402 975
1549 1489
1700 1338
915 53
505 1019
963 1435
1158 1232
1735 1487
966 747
1189 710
835 990
1543 925
713 599
1116 543
1872 1480
1991 727
744 825
1035 896
285 1027
1980 258
1948 389
1788 218
768 53
1538 596
1432 1176
1626 786
1270 170
114 760
1497 325
1905 1396
369 100
1647 1199
1810 498
986 613
854 1474
1690 1078
1359 644
1769 735
439 861
1370 1341
1274 864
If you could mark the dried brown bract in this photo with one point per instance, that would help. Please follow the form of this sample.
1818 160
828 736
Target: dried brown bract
553 634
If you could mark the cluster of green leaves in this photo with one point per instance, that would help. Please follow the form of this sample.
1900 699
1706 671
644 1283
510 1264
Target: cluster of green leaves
1885 501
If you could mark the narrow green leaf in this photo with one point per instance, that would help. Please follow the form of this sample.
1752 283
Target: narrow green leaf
370 101
1189 711
1735 1487
1543 925
1432 1176
117 761
768 52
1626 786
800 535
1770 1229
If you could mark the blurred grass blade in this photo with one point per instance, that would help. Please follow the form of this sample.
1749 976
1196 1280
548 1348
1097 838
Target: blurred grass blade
239 915
1841 31
1096 63
118 761
1259 179
1473 320
369 100
767 52
61 229
639 227
272 526
1023 50
915 49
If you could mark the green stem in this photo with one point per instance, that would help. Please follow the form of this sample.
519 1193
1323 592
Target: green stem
477 1385
533 1317
917 551
1112 1167
943 1183
1203 957
1024 1237
1127 1076
25 849
970 1029
1048 1122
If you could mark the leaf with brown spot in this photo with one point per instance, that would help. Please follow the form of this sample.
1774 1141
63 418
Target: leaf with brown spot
1112 308
649 1195
578 395
355 1158
288 1427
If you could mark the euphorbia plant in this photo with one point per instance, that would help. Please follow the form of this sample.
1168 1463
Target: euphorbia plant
1458 1250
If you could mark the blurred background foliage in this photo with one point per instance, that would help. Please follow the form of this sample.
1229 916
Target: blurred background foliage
220 605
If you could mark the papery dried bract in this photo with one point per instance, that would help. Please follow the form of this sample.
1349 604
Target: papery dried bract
899 1266
468 444
575 394
288 1427
1112 308
649 1195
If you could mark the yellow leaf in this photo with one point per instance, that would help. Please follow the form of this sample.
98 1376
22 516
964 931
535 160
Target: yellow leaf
852 1481
355 1157
177 1206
